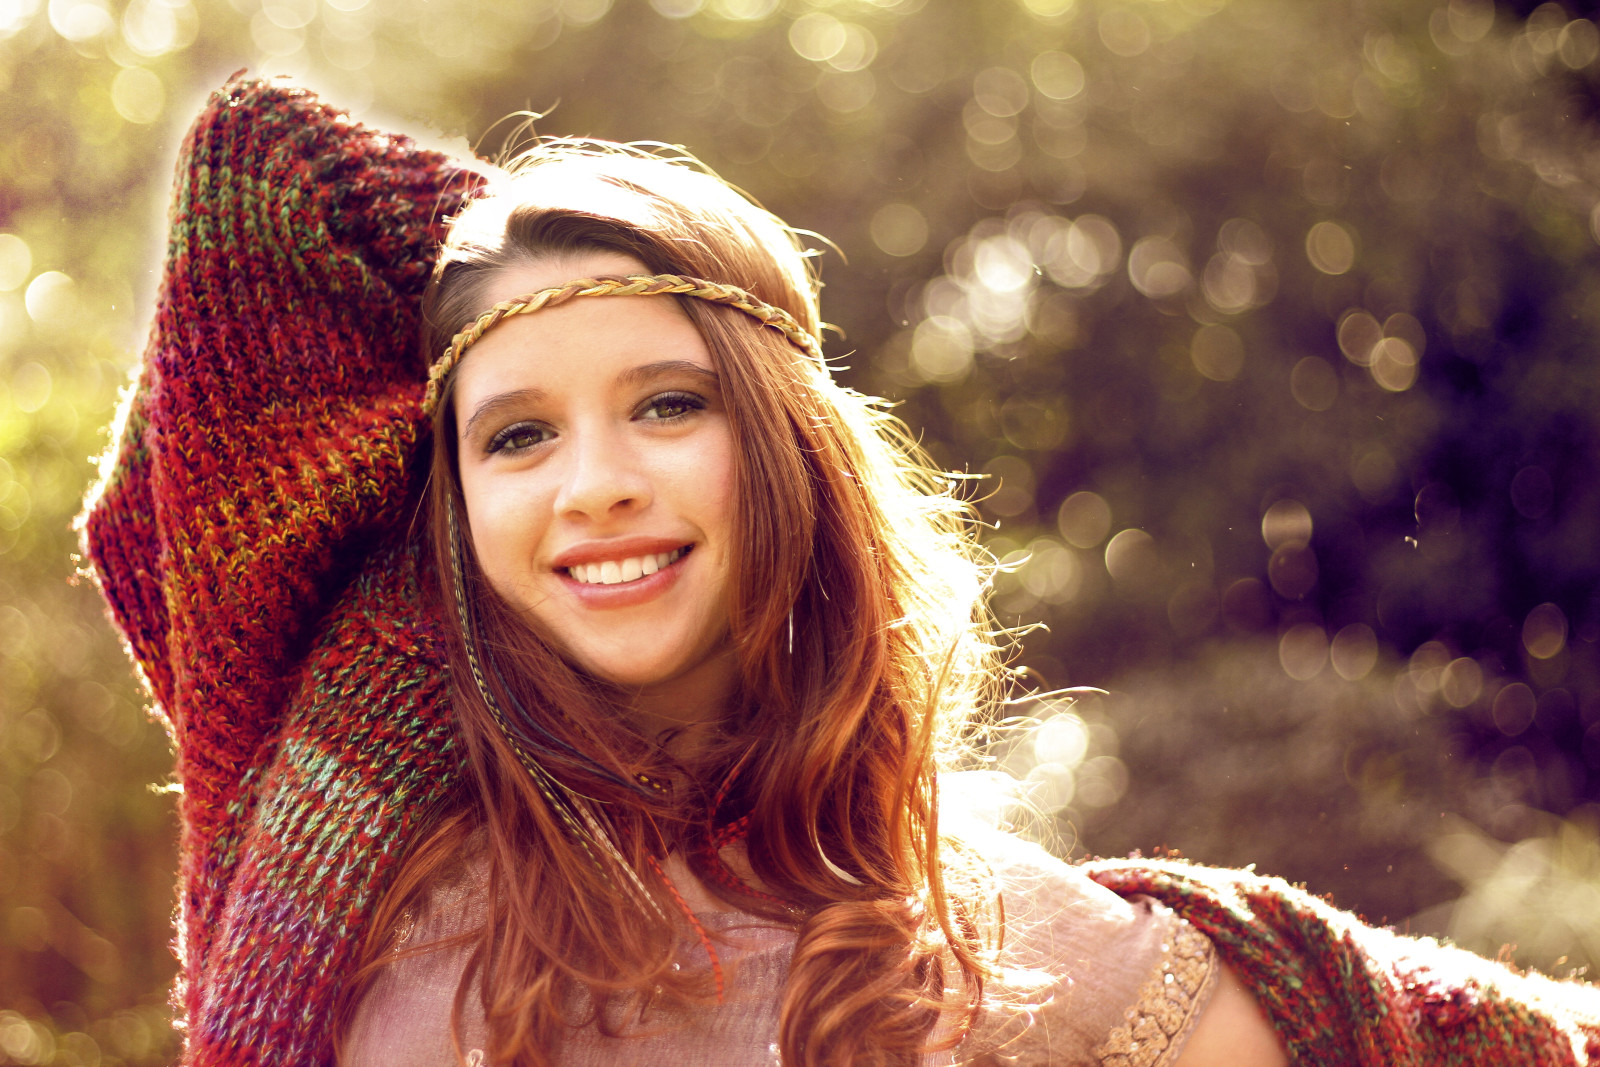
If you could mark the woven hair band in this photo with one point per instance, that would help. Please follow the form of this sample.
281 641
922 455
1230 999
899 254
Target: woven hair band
636 285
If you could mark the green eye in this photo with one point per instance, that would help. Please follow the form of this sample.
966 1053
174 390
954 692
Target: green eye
518 438
670 406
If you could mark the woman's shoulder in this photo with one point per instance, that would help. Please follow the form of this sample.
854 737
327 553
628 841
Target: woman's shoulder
1082 974
1045 899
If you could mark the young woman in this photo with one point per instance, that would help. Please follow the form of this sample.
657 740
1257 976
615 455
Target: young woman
631 752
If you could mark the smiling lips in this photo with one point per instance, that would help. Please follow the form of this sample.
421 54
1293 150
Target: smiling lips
617 571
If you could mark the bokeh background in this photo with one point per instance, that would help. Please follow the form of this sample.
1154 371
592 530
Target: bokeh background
1272 326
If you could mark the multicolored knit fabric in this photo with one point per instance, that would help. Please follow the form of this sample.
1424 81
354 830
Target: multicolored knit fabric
1341 992
250 540
255 541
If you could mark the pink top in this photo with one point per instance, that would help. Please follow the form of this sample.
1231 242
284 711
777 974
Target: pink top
1085 977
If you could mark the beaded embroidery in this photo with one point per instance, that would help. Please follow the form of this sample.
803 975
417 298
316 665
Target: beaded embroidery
404 929
1168 1004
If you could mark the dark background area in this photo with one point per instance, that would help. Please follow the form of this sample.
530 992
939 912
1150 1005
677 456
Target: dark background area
1270 328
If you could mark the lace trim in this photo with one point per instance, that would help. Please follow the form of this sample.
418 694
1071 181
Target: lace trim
1168 1005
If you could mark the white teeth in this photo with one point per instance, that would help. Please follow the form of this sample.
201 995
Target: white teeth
615 572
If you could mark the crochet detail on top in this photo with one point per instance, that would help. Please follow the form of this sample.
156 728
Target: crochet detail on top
1168 1004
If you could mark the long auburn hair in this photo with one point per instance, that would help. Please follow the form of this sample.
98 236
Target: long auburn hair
863 652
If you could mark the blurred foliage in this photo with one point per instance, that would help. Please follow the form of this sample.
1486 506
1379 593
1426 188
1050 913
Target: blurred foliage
1273 327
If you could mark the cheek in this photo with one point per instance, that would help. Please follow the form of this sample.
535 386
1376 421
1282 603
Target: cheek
713 479
720 486
504 527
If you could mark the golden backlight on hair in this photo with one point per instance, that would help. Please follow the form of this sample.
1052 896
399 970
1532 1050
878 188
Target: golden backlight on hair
862 649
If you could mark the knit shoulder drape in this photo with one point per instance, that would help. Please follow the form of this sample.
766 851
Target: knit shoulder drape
257 540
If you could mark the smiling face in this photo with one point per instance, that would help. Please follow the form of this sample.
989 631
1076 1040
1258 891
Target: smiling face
597 465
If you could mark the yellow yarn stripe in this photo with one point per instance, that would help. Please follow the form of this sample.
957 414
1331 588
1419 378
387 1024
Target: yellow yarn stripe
634 285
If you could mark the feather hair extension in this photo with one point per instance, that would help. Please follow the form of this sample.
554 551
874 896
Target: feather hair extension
573 810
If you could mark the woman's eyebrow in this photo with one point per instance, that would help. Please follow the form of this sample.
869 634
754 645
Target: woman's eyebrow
646 372
498 402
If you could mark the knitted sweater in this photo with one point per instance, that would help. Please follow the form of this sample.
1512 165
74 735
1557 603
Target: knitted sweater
254 539
250 540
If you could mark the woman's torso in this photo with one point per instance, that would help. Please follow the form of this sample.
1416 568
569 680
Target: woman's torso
1083 976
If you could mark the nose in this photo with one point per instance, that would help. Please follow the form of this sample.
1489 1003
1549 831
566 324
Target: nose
603 477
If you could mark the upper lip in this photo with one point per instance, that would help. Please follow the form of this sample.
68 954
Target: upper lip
615 548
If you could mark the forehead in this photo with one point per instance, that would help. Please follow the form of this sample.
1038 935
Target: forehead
582 342
548 272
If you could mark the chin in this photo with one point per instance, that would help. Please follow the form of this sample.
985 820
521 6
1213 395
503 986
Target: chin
695 682
637 676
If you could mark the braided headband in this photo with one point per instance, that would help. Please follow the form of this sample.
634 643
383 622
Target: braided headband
637 285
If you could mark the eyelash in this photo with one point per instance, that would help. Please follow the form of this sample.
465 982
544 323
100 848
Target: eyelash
501 442
688 403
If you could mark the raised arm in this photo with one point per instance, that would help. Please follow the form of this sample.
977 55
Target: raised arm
275 421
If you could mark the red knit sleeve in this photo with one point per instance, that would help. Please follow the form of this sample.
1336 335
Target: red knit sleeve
1340 991
276 423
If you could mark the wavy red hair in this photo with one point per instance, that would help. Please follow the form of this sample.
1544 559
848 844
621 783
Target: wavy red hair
831 755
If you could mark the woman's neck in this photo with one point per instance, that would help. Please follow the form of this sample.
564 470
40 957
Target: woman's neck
682 712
